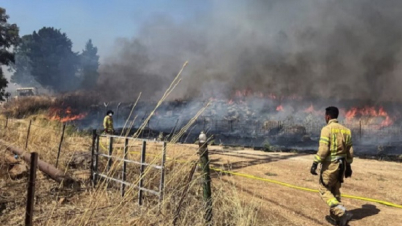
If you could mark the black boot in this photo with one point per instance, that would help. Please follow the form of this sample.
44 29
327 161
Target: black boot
345 219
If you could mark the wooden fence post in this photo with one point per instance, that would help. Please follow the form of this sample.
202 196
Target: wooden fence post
29 129
93 153
31 189
206 185
109 161
95 176
6 123
61 141
123 176
162 181
142 168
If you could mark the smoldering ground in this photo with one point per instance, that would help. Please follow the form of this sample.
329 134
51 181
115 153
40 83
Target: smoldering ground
311 48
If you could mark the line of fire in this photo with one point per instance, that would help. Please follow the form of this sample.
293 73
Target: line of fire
257 120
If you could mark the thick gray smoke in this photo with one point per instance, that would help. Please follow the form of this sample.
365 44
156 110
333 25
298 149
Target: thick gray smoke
338 49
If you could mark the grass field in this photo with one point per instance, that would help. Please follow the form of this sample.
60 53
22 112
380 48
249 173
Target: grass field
103 205
236 200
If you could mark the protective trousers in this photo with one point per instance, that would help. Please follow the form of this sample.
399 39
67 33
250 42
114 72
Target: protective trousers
330 184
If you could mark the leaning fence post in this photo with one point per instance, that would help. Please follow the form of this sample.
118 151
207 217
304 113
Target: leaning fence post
29 129
123 176
61 141
204 160
142 168
109 161
162 182
184 193
31 189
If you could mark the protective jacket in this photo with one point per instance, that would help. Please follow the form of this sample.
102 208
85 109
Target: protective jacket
334 152
108 124
335 143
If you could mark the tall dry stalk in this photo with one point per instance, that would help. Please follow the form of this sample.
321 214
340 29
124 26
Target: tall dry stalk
190 123
128 118
171 87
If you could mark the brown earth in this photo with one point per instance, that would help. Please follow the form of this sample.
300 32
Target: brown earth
371 179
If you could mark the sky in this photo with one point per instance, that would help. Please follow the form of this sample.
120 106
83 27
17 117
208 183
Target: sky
103 21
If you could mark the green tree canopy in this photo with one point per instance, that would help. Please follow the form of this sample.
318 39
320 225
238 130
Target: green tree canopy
8 39
22 74
89 62
47 56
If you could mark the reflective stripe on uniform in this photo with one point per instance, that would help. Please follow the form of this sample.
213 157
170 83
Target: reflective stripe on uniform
332 202
348 140
317 158
343 131
324 140
346 133
334 157
334 145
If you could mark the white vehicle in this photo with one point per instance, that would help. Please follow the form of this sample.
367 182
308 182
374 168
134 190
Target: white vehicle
26 91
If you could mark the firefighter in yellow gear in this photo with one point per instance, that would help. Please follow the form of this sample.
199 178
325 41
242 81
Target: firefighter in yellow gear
335 154
108 122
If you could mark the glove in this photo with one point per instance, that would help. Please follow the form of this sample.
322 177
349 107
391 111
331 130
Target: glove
348 171
314 168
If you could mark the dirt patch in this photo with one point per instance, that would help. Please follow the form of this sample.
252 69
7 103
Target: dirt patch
371 178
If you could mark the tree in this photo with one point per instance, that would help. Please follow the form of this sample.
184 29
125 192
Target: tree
8 38
47 56
22 65
89 62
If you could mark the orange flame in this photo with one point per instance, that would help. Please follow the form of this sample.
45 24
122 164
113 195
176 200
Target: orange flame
387 122
369 112
279 108
57 114
244 93
351 113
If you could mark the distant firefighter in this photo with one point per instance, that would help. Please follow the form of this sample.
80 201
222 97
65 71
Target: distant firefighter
335 153
108 122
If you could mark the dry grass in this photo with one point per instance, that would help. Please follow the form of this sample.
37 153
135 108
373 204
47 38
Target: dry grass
103 205
26 106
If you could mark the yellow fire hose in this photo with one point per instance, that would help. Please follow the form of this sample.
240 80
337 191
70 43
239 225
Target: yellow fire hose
305 189
284 184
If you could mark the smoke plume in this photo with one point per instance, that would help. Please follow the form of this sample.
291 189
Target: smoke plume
334 49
